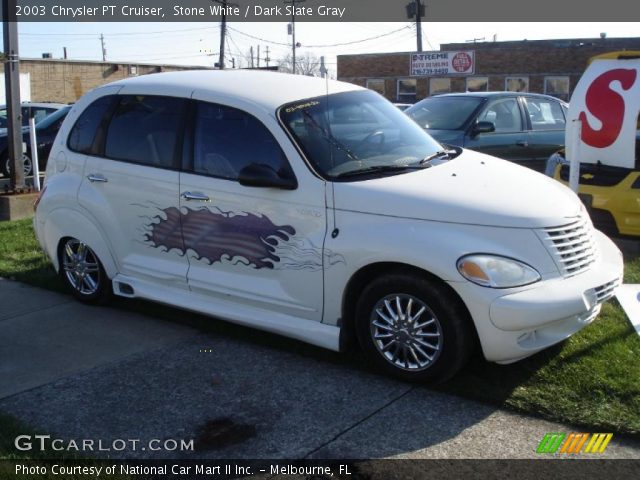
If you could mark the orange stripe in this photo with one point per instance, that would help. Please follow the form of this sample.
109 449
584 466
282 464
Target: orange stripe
584 439
567 442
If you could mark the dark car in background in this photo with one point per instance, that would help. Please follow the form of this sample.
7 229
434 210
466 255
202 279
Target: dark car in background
525 128
39 111
46 131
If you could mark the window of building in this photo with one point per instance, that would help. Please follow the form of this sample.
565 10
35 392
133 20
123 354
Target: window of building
83 134
516 84
227 140
557 86
545 114
407 90
477 84
376 84
145 130
439 85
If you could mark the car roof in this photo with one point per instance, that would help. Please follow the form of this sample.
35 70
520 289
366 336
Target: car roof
265 88
496 94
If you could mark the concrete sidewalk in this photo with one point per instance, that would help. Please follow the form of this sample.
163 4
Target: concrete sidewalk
79 372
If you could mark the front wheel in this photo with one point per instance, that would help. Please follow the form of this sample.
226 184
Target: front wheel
413 327
82 272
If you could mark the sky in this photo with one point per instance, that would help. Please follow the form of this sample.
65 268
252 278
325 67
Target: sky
198 43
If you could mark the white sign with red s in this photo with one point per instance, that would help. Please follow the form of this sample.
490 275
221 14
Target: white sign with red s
607 102
442 63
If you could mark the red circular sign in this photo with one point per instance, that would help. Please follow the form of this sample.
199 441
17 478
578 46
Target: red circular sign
461 62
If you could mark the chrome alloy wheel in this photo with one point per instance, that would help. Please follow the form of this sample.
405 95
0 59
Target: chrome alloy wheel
406 332
81 267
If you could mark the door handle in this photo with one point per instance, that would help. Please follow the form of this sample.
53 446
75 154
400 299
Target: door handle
96 177
195 196
522 143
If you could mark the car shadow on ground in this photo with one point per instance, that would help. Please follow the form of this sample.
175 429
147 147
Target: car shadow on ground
243 393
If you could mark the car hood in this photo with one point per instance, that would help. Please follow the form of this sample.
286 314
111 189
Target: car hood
471 189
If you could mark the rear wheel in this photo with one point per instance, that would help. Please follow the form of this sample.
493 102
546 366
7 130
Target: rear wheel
82 272
6 165
413 327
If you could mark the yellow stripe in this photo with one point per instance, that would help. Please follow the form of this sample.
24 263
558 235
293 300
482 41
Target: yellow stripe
584 439
590 444
598 442
567 442
606 442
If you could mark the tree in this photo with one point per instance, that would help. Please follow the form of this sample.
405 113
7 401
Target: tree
306 64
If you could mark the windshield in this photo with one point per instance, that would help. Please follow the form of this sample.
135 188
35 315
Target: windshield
57 116
347 133
443 113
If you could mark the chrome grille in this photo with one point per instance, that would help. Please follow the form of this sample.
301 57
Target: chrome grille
572 246
606 291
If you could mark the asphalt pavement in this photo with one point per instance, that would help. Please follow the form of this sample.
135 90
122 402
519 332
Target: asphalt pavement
106 374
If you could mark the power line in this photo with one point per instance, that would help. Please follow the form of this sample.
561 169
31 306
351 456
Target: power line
322 46
214 27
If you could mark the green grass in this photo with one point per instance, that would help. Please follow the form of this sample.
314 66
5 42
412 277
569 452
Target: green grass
592 380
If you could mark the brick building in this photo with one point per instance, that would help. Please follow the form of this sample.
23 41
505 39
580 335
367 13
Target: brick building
542 66
64 81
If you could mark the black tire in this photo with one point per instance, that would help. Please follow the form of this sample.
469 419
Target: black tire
4 165
451 330
82 272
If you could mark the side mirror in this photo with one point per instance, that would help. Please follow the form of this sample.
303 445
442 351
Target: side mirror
484 127
261 175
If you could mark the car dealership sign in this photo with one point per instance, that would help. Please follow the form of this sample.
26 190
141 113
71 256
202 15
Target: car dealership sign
443 63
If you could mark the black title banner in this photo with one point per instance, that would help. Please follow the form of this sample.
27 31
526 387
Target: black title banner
318 469
318 10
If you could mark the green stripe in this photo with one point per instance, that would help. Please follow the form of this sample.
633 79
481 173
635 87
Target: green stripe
559 440
550 442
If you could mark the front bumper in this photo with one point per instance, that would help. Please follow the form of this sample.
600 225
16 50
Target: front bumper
515 325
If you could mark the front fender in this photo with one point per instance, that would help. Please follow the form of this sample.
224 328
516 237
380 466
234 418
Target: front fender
434 247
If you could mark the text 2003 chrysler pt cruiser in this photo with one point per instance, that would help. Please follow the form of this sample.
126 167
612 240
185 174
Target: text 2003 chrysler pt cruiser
317 210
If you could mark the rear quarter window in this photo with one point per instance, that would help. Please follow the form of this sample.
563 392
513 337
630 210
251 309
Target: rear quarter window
83 134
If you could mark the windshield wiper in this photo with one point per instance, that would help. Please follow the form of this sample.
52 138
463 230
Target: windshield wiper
330 138
382 169
433 156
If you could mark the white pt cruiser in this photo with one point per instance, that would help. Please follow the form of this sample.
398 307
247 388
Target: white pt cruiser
317 210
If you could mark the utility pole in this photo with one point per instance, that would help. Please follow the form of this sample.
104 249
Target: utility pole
258 56
251 53
419 24
267 59
104 50
415 9
223 30
293 31
12 89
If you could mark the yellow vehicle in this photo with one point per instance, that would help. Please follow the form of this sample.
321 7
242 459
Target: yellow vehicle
609 144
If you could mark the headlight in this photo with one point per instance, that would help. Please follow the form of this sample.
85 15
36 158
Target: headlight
496 272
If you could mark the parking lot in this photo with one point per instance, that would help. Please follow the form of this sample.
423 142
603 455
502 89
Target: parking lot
77 372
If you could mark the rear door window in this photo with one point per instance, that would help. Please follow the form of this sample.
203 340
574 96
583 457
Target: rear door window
146 130
545 114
